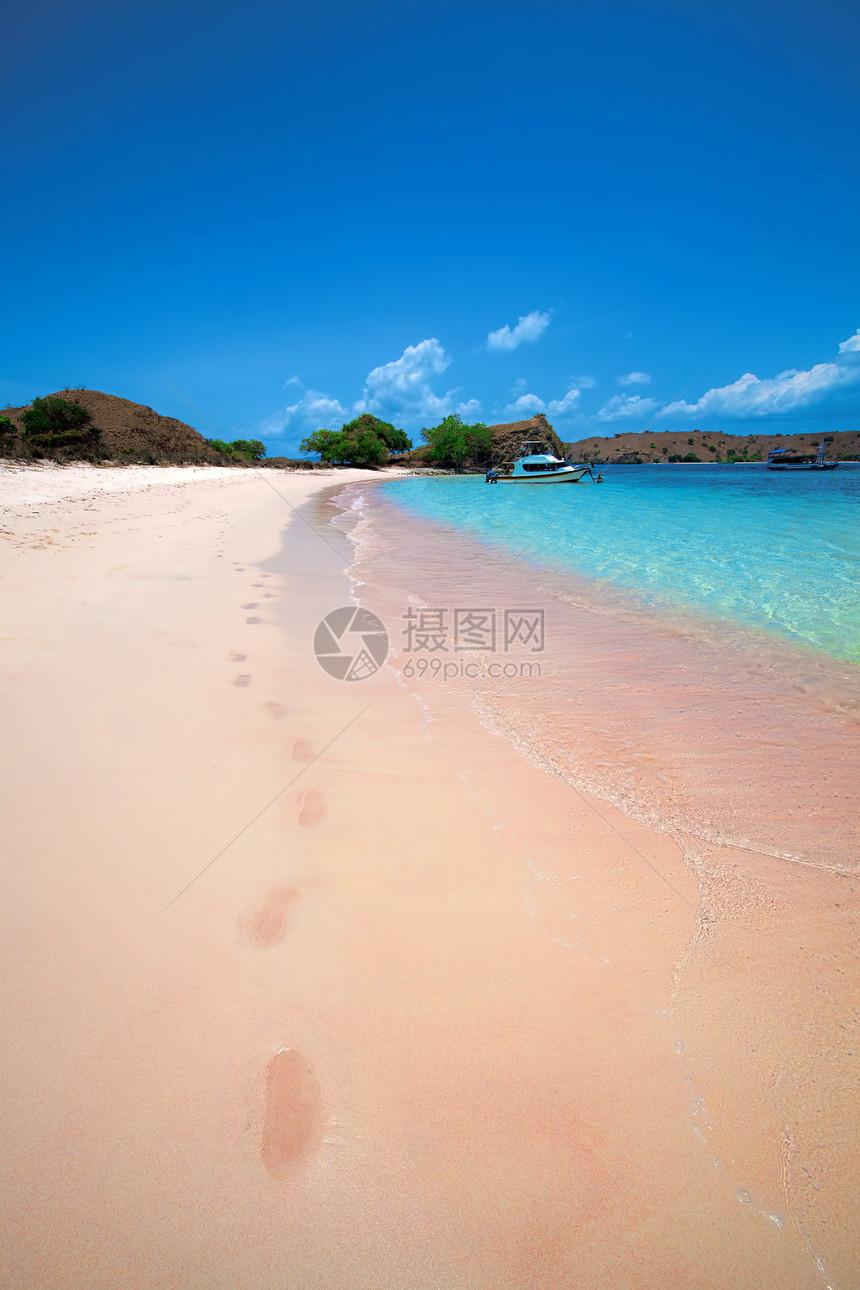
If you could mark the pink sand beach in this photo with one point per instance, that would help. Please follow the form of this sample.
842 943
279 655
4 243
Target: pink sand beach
313 983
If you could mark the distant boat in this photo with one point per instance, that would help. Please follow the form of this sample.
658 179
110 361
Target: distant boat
789 459
541 468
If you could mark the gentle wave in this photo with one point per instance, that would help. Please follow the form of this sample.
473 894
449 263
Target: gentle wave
774 551
718 733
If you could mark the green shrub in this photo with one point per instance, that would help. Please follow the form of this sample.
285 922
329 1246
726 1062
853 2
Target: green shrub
247 449
60 430
357 448
365 441
395 440
253 449
452 443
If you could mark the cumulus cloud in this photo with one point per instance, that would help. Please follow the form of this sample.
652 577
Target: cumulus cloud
312 411
558 407
529 404
626 407
401 389
635 378
469 410
789 392
529 328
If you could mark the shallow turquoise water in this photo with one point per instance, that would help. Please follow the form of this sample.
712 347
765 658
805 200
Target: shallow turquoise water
767 550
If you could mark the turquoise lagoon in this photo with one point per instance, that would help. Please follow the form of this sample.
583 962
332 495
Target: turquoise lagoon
767 550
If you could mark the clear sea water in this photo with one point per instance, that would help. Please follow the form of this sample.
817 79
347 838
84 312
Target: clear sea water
767 550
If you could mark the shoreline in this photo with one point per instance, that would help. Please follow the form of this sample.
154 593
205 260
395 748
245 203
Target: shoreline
777 927
412 1017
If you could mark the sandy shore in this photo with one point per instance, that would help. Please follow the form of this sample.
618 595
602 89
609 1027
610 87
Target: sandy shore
295 997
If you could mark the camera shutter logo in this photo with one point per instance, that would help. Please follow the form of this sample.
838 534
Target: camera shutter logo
351 644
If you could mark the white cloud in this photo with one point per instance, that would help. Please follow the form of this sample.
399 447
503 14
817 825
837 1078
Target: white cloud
583 382
529 328
469 410
782 395
626 407
788 392
558 407
635 378
401 389
528 404
313 411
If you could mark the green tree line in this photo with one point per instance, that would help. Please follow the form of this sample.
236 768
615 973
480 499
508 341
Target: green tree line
369 441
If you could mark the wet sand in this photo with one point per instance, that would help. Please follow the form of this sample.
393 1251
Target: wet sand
319 984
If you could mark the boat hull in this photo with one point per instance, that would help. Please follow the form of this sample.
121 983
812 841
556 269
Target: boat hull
827 465
557 477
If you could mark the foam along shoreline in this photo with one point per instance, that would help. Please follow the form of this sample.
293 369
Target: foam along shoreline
637 710
703 728
421 1012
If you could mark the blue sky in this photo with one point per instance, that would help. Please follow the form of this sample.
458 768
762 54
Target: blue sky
295 213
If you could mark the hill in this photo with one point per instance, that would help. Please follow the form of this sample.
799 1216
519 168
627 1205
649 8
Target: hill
508 439
132 432
650 446
628 447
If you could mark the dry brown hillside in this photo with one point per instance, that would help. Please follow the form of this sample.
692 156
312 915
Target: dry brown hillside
707 446
131 432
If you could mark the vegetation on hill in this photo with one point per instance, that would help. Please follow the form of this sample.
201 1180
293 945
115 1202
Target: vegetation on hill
453 443
57 429
246 449
632 447
102 427
366 441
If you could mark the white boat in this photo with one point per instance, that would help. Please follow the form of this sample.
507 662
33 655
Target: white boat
541 468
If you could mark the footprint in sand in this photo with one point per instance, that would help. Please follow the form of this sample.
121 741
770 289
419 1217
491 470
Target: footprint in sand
276 711
313 808
291 1120
242 681
237 658
252 606
302 750
253 620
268 924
